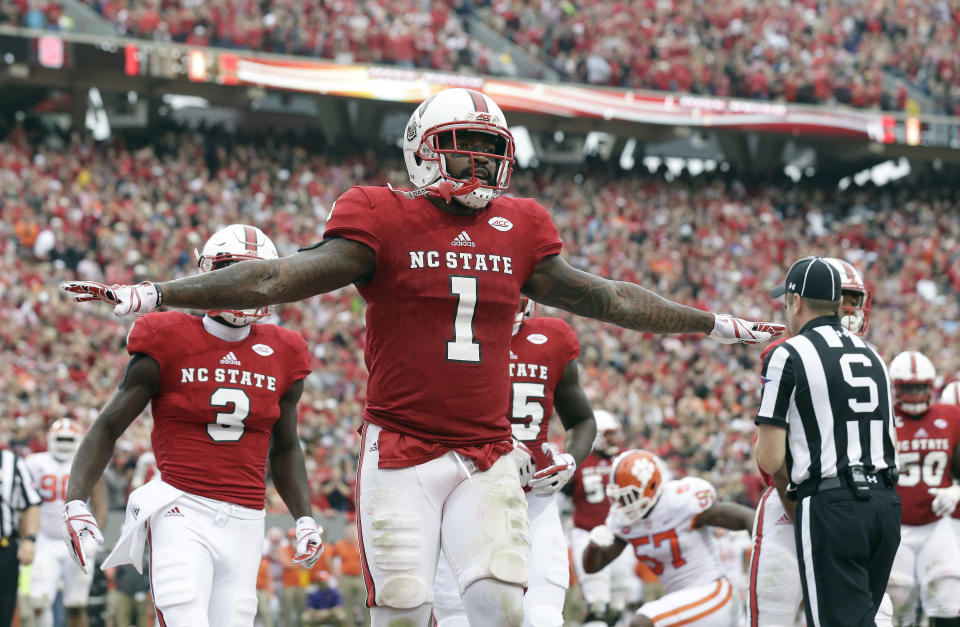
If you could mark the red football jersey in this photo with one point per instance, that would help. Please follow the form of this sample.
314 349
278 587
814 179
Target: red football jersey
217 402
926 454
539 353
440 309
590 504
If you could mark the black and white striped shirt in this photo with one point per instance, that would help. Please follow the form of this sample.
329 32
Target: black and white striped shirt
831 391
16 492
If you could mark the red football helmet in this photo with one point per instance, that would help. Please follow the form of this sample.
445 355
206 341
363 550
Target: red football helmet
636 483
855 306
527 310
912 375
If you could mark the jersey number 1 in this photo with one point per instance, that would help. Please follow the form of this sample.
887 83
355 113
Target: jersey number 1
229 425
463 348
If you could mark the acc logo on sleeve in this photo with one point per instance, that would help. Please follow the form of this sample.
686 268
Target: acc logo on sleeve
501 224
262 349
537 338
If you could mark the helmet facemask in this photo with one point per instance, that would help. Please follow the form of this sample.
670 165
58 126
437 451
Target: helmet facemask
450 140
527 310
912 376
855 310
233 244
63 440
636 483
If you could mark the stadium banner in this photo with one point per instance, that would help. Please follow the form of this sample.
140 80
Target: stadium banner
173 62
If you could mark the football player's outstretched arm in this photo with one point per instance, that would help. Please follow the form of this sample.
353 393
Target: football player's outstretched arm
727 515
286 457
557 284
575 413
139 384
330 265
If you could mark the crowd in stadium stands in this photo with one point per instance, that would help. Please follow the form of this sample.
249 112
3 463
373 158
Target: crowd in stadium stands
824 51
127 211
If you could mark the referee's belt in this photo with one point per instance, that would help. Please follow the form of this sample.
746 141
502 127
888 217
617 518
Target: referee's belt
882 479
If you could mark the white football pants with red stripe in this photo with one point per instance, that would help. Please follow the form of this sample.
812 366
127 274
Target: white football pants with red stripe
204 557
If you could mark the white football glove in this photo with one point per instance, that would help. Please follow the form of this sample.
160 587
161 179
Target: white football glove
602 536
127 299
79 525
730 330
555 476
523 458
945 500
309 542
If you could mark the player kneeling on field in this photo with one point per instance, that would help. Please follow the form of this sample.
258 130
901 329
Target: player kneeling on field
665 524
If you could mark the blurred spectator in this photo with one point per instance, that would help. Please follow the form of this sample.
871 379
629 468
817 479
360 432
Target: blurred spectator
127 601
267 600
345 556
324 605
293 595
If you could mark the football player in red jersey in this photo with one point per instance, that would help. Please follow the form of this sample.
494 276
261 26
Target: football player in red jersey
441 268
775 594
951 396
224 395
927 565
543 375
605 591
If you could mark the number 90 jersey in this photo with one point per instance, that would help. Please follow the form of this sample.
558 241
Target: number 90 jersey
539 353
926 446
217 402
666 540
440 308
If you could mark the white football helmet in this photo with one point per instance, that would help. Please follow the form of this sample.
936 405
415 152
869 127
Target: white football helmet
854 317
609 439
912 375
63 439
237 242
525 311
636 483
951 394
456 111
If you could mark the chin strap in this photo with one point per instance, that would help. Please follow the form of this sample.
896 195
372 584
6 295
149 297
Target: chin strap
444 189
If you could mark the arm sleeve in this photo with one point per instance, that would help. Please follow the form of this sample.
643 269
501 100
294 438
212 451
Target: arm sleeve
143 338
700 497
778 385
299 366
545 238
353 217
28 496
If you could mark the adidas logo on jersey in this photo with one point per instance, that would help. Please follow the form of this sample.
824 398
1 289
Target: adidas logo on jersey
784 520
173 512
921 433
463 240
230 359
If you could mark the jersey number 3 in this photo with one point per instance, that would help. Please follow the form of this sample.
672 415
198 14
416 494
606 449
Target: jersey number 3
229 425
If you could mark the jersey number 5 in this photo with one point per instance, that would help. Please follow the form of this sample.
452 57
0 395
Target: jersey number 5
526 413
229 425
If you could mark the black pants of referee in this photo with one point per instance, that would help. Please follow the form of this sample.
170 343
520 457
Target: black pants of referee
9 580
846 548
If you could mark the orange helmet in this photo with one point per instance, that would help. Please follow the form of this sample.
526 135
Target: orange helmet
636 483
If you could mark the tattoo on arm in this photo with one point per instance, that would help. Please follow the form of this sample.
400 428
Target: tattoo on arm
315 270
555 283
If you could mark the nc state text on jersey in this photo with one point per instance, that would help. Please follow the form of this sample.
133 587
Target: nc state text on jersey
228 375
534 371
925 444
453 260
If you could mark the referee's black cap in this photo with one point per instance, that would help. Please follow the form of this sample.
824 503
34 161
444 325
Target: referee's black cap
811 277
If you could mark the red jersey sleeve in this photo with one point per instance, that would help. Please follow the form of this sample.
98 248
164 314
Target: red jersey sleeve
143 338
571 345
545 239
299 366
354 217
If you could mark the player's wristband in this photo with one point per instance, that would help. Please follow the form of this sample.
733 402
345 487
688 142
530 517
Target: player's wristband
156 286
31 538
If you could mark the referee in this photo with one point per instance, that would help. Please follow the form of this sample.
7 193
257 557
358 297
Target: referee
19 519
826 435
